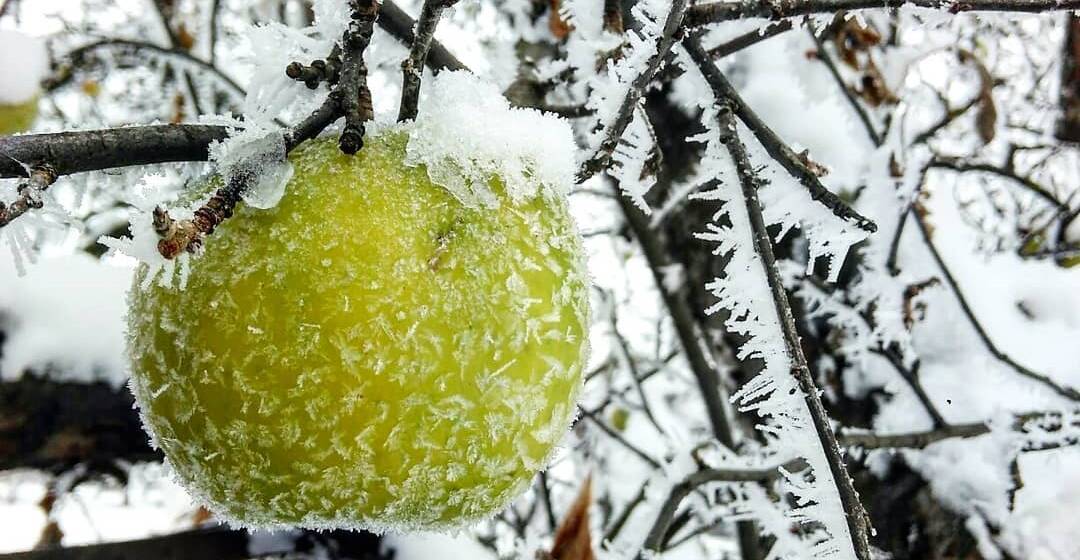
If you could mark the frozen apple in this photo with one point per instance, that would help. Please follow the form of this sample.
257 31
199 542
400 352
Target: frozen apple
371 352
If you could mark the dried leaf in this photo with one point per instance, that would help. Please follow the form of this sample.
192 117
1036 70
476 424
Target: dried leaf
558 26
814 167
201 515
184 39
572 539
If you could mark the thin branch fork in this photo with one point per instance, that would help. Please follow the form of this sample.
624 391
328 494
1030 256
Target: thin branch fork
601 158
857 519
774 145
681 490
716 12
412 67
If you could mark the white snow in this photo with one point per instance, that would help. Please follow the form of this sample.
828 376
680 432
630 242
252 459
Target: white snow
466 133
64 317
23 63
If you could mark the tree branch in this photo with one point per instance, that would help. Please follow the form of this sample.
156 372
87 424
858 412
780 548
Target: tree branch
858 525
1067 392
93 150
601 158
716 12
778 150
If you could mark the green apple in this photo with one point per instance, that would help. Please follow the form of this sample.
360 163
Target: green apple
368 353
18 117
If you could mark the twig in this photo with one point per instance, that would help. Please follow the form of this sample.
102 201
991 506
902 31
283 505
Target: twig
412 67
864 116
397 23
1026 182
353 94
716 12
601 158
79 56
318 71
683 489
29 193
1067 392
776 147
164 11
857 520
919 440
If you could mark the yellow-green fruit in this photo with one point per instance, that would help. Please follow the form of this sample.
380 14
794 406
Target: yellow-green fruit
368 353
18 117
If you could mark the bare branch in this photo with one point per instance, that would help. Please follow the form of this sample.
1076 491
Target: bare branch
412 68
864 117
716 12
1067 392
1045 422
29 193
93 150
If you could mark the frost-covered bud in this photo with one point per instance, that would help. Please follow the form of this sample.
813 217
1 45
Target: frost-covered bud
23 63
370 352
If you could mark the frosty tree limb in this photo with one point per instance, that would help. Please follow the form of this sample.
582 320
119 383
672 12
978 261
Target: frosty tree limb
858 524
413 67
350 98
1028 183
918 440
601 158
778 149
716 12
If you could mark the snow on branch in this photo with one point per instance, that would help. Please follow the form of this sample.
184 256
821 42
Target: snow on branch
784 391
716 12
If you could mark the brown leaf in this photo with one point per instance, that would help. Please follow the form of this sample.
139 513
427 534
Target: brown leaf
572 540
184 39
201 515
558 26
814 167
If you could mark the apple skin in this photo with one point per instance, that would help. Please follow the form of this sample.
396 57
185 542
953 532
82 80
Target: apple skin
370 353
18 117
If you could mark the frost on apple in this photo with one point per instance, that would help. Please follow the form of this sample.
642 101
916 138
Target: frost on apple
370 352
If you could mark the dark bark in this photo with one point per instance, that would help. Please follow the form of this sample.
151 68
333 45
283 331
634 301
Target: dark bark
1068 128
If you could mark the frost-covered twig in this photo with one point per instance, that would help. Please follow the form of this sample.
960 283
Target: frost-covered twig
601 157
716 12
1067 392
1053 430
780 151
413 67
93 150
857 520
30 191
681 490
401 26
